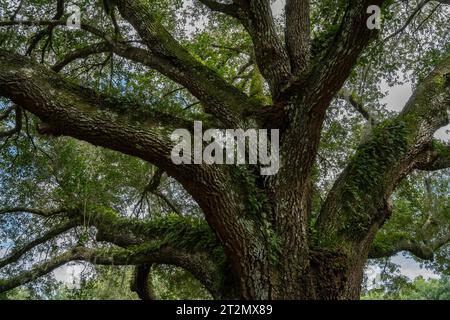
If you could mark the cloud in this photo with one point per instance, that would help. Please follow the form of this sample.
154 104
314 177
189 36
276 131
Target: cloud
412 269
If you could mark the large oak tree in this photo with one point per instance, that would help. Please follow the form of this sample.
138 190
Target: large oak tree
258 237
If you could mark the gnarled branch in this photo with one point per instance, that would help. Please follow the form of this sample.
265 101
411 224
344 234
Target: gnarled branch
197 264
335 62
270 53
222 100
54 232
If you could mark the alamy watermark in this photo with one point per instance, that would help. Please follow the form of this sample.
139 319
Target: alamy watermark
74 20
374 21
227 146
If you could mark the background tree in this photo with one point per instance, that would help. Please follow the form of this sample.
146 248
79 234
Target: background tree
419 289
137 70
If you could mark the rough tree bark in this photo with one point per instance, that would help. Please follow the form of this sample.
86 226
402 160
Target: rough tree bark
256 240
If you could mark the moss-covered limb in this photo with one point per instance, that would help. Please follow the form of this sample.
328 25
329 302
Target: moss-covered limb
360 197
333 64
423 249
17 253
258 212
357 103
189 233
199 265
431 99
36 272
437 157
184 232
221 99
58 88
187 242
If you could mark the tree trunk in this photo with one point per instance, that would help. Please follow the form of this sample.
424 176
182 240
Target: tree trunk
328 275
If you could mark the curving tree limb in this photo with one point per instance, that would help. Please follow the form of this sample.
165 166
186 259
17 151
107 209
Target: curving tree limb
196 264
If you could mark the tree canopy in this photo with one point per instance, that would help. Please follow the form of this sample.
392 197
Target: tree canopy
85 171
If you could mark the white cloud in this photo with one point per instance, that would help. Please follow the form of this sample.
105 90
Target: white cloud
412 269
69 274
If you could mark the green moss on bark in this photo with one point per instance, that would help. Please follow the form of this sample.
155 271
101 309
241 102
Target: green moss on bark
366 178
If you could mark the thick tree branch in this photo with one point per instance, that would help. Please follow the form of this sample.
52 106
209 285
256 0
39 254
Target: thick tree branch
197 264
38 212
81 54
298 40
270 53
126 232
421 251
334 63
91 116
